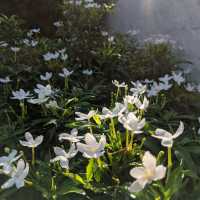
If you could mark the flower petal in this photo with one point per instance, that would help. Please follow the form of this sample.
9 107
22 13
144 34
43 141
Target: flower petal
74 132
59 151
179 130
64 164
82 147
149 161
19 183
160 172
161 133
38 140
102 142
8 184
72 151
167 142
90 139
28 136
136 187
26 144
137 172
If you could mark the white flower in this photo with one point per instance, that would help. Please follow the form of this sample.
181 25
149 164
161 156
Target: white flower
165 86
64 56
30 33
66 73
72 137
92 5
5 80
52 104
7 161
58 24
146 174
82 116
87 72
15 49
119 85
129 100
104 33
178 78
141 105
62 51
17 175
30 142
3 44
166 78
20 95
92 148
39 100
166 137
138 88
111 39
133 32
64 157
50 56
30 43
115 112
190 87
35 30
132 123
154 90
46 77
147 81
43 91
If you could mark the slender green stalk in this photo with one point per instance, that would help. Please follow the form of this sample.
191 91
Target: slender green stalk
117 94
131 140
66 86
127 138
113 128
33 156
23 112
126 90
169 156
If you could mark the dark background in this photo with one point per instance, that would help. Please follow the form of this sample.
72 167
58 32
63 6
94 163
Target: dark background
40 13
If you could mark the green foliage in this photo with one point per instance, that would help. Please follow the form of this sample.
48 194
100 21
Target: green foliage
110 56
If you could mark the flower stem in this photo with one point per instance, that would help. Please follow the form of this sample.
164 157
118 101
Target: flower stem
126 90
66 86
117 94
131 140
113 128
33 156
22 109
169 155
127 138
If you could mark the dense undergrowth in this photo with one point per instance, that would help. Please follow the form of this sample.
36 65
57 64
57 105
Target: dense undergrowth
54 88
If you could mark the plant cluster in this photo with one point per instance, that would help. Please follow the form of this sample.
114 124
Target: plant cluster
90 114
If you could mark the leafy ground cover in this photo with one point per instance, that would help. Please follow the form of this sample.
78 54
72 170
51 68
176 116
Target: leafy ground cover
91 114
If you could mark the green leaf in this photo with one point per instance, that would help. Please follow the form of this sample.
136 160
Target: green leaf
79 179
89 170
68 187
97 119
